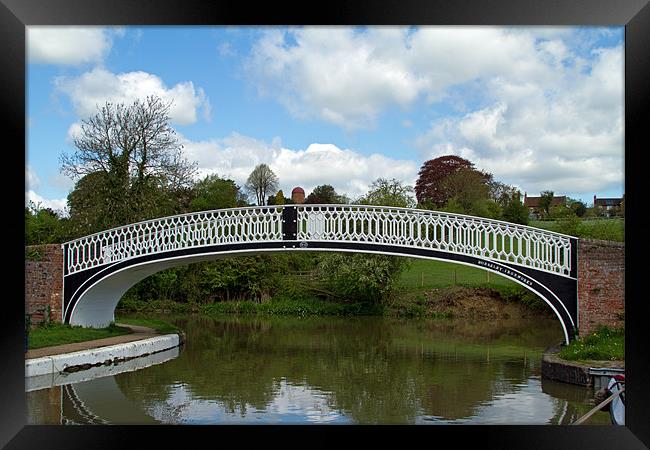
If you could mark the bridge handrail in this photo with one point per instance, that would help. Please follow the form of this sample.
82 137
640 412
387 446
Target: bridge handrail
143 222
263 223
441 213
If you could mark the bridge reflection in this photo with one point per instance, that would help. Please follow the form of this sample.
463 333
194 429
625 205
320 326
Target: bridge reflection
237 370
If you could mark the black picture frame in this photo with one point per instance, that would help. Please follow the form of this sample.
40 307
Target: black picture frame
15 15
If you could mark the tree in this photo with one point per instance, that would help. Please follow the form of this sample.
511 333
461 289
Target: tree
325 194
135 141
391 192
279 198
578 207
128 161
546 198
43 225
214 192
261 181
428 187
470 191
513 210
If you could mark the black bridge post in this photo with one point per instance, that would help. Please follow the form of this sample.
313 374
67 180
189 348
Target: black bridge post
289 223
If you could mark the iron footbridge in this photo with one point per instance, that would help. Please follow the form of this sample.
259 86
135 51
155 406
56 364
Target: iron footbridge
100 268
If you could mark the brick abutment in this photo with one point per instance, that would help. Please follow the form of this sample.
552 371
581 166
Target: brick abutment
43 282
601 284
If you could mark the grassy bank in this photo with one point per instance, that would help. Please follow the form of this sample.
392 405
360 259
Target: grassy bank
603 229
605 344
59 334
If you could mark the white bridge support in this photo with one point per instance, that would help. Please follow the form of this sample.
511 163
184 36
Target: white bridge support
100 268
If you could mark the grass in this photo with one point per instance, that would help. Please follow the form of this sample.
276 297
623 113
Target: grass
605 344
431 274
603 229
160 326
59 334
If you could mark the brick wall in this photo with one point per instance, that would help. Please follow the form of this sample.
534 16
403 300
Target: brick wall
601 284
43 281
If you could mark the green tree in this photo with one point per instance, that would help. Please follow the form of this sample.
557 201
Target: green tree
384 192
358 277
325 194
546 198
279 198
261 181
214 192
513 210
468 190
43 225
577 207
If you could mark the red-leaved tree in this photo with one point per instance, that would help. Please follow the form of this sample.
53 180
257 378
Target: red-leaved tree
429 187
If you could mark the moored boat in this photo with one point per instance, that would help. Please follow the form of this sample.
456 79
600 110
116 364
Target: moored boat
616 386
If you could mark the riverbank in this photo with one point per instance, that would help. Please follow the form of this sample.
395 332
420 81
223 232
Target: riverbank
574 372
76 356
475 302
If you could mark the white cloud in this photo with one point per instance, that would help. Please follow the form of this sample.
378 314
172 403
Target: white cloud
67 45
350 173
349 77
94 88
332 73
568 139
538 107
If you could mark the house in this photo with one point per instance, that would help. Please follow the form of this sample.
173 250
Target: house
609 206
535 210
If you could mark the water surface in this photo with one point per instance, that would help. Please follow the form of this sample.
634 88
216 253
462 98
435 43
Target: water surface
367 370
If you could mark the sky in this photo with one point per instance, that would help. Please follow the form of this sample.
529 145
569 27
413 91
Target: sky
541 108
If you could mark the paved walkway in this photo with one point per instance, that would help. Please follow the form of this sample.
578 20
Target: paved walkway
138 334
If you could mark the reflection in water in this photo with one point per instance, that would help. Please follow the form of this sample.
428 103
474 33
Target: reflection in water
324 370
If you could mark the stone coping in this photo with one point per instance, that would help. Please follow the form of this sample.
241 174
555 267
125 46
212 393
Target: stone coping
574 372
84 355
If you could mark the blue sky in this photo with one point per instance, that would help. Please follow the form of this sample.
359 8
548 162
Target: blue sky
541 108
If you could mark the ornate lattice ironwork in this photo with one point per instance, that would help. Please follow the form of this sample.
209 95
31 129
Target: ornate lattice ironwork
474 236
206 228
453 233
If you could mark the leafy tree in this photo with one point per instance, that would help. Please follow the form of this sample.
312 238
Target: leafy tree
391 192
43 225
470 191
261 181
214 192
325 194
578 208
279 198
429 190
365 278
546 198
513 210
128 160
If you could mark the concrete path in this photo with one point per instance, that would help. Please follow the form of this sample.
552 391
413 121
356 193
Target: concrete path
139 333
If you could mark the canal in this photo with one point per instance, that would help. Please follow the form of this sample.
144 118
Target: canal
361 370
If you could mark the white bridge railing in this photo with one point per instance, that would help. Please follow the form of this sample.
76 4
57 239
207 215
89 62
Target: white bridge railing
473 236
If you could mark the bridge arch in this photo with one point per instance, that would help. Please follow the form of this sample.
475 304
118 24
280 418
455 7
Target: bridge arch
100 268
